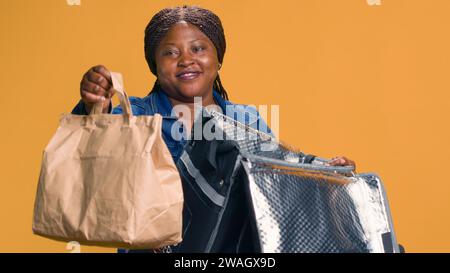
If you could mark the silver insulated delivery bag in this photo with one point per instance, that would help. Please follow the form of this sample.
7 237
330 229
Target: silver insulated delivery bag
247 192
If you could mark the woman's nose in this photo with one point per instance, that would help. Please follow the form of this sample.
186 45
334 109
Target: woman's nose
185 60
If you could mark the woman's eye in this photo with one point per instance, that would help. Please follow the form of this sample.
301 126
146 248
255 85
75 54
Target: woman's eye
169 53
198 48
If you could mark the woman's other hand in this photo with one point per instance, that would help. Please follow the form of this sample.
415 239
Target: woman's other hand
342 161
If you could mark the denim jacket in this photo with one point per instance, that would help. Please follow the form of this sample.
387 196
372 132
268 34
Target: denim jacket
158 102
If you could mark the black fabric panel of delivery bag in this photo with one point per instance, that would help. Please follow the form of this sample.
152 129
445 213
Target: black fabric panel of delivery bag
247 192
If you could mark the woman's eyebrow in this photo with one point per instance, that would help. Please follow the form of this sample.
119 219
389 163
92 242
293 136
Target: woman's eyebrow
170 43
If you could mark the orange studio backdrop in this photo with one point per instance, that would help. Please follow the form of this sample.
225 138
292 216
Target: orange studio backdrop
367 79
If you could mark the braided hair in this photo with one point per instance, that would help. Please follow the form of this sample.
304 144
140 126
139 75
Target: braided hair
206 21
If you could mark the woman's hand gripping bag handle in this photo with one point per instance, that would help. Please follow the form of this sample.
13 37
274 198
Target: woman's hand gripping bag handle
117 83
109 180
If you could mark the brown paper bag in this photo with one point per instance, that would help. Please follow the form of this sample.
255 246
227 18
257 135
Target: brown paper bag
109 180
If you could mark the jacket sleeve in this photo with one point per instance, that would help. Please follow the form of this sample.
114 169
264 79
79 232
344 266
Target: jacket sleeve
250 116
138 107
262 125
80 109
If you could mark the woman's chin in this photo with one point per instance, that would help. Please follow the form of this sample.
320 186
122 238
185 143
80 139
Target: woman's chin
191 93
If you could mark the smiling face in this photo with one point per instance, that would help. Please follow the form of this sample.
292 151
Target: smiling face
186 62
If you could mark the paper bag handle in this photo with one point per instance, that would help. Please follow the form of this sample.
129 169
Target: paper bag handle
117 86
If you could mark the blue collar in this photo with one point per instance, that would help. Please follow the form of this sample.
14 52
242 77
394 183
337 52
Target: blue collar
221 101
